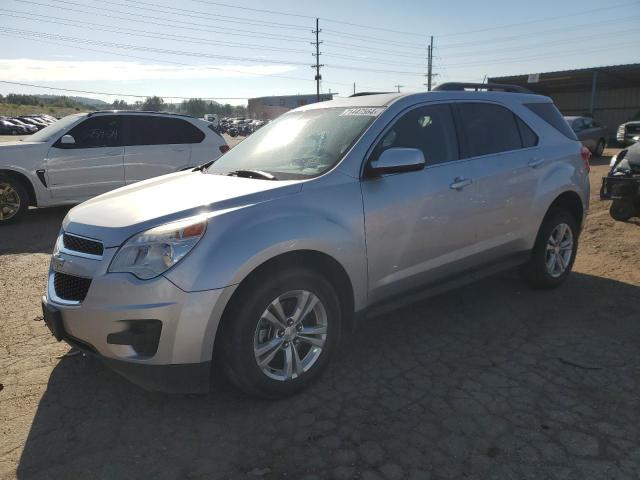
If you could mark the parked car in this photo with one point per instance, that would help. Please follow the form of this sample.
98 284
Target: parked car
32 121
10 128
622 184
257 264
17 121
85 155
627 133
590 133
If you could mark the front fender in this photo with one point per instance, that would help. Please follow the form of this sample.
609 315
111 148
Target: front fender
328 220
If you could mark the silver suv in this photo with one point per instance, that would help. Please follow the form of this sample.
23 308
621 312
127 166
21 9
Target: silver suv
257 263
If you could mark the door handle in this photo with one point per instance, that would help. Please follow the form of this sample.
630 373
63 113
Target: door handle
460 183
535 162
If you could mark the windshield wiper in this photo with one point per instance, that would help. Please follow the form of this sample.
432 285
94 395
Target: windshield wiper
203 167
250 173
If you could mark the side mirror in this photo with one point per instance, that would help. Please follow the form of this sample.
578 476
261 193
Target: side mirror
397 160
67 140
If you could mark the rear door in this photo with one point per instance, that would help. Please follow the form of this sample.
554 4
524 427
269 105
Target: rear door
505 162
90 166
420 226
156 145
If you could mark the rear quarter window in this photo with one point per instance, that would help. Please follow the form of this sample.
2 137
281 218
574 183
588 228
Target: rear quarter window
550 114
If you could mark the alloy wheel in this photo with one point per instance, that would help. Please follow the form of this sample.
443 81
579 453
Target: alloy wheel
559 250
9 201
290 335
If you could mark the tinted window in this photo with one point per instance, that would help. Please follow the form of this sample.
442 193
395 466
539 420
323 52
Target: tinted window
143 130
487 128
102 131
528 137
429 129
550 114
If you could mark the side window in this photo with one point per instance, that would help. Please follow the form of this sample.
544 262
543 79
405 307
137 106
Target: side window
102 131
430 129
577 125
528 136
148 130
487 128
588 123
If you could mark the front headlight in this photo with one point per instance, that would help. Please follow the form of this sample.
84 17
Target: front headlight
150 253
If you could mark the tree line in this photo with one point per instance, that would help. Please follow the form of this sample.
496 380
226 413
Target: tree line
195 107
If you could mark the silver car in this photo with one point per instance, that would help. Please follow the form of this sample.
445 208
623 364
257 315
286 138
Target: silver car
257 263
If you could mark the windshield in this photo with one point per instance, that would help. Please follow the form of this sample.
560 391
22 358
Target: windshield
298 144
55 129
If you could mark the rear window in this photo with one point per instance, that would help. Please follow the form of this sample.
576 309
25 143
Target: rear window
487 128
550 114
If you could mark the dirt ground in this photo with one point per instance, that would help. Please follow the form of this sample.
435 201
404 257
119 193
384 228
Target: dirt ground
489 381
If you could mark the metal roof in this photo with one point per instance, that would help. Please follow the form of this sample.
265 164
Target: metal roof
609 76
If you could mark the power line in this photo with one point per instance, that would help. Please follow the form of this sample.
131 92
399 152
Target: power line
208 28
275 12
535 34
90 92
182 38
529 22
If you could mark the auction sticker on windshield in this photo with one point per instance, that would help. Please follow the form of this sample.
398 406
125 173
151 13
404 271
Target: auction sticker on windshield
363 111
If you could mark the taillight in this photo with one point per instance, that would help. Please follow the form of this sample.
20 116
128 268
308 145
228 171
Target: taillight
586 155
224 148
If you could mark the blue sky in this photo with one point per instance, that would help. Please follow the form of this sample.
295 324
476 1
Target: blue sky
229 48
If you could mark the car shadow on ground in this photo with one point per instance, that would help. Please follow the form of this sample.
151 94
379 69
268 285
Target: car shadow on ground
36 232
490 379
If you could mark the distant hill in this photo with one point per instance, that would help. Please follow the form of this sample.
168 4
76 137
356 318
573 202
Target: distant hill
89 102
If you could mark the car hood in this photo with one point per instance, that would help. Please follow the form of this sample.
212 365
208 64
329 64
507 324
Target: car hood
115 216
18 145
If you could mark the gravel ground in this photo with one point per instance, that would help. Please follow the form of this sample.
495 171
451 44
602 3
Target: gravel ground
489 381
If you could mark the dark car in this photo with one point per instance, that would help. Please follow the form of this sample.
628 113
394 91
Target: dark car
622 184
8 128
33 121
17 121
590 133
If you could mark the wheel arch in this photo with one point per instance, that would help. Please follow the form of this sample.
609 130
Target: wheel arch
24 180
571 202
314 260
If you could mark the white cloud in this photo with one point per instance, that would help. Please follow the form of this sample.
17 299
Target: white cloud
31 70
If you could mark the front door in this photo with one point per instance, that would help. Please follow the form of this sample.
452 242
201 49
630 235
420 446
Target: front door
420 226
92 164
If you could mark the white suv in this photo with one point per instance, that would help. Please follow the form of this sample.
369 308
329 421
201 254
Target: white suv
87 154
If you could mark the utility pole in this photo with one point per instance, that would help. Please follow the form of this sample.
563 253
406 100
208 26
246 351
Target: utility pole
318 64
398 87
354 88
429 63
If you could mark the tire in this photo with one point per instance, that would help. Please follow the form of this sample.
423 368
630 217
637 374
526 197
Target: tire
622 210
248 335
537 271
12 192
599 148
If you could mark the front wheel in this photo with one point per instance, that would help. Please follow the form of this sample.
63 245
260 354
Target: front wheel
554 252
599 148
14 200
280 332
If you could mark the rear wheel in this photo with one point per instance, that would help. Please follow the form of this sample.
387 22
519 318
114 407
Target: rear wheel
599 148
14 200
279 334
622 210
554 252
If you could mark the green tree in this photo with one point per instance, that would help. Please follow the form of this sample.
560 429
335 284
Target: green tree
153 104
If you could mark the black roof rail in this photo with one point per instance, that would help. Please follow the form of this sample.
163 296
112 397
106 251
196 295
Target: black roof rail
491 87
363 94
142 111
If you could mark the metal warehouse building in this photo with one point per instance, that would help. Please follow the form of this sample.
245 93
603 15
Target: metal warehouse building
610 94
268 108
